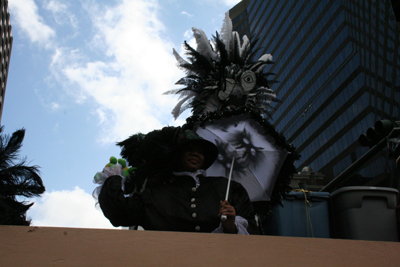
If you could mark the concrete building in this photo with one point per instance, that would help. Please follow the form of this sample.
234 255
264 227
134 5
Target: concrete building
338 67
5 50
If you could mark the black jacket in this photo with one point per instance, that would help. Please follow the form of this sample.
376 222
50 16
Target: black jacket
175 205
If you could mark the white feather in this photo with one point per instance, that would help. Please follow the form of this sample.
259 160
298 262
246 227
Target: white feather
245 44
178 108
236 39
226 31
266 57
203 44
178 58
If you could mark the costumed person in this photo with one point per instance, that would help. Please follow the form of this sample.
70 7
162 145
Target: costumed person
229 95
170 189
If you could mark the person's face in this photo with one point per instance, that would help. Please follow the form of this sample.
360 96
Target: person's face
192 158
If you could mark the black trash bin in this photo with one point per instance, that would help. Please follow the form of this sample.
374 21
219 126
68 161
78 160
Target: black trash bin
364 213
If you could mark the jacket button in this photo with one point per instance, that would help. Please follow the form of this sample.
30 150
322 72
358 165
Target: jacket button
194 189
194 215
197 228
193 206
193 200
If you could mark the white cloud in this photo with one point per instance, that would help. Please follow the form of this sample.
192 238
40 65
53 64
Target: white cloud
66 208
55 6
128 85
25 14
47 100
56 128
60 12
186 14
188 34
55 106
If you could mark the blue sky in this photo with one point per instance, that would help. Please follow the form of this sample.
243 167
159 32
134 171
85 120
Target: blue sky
85 74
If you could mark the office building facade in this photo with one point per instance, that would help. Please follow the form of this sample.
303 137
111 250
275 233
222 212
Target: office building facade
338 67
5 50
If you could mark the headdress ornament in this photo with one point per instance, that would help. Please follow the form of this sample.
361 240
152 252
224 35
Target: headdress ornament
221 73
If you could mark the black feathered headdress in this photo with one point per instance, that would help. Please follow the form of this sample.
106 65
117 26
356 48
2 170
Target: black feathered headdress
222 74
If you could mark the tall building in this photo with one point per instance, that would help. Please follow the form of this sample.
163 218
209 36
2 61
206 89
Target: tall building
338 67
5 50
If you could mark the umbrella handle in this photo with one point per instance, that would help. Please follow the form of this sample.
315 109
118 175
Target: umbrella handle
230 178
224 217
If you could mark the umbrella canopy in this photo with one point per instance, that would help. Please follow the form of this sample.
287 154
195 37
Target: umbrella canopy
258 159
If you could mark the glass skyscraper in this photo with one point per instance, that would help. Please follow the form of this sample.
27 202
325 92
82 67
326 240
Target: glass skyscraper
5 50
338 67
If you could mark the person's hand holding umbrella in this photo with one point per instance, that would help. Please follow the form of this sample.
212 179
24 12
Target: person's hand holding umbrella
229 211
